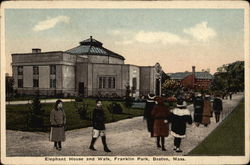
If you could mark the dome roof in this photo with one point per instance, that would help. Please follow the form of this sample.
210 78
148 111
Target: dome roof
91 46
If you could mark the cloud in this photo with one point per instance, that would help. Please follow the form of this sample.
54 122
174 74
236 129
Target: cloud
201 32
50 23
148 37
156 37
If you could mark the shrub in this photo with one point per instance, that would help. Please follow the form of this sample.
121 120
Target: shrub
115 108
36 117
78 99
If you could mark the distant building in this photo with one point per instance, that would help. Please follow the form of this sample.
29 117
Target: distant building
194 80
88 69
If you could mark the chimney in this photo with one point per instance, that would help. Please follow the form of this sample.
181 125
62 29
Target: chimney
193 70
36 50
193 79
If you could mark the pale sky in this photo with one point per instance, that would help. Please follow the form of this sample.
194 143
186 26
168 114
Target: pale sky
176 38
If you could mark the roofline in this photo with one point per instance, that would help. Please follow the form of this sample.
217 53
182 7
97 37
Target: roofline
38 53
115 55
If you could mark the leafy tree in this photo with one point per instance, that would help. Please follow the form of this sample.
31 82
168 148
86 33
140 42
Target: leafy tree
128 98
229 77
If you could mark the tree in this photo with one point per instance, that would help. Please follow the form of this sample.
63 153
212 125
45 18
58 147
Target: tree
170 87
164 77
9 83
36 118
230 77
128 98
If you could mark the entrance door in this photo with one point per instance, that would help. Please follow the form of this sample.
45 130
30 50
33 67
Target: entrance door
81 88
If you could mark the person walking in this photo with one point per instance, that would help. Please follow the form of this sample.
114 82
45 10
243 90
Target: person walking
150 103
160 114
207 111
58 121
198 109
178 118
98 121
217 107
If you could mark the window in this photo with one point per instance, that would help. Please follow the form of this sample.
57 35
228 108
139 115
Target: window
35 70
52 69
107 82
52 83
20 83
35 83
20 70
113 82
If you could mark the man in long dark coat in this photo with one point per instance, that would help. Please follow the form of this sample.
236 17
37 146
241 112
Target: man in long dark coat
217 107
150 103
198 109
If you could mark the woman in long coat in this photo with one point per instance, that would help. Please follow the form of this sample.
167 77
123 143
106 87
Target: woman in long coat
58 121
160 114
207 111
198 109
179 117
150 103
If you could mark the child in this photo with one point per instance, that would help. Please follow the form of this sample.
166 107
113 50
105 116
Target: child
179 117
98 126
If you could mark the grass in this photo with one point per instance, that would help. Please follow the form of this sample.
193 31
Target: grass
227 139
17 115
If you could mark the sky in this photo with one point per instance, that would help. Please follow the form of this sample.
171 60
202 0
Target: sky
176 38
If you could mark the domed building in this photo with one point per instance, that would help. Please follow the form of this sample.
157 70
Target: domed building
88 69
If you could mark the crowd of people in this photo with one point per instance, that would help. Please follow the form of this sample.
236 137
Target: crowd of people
161 119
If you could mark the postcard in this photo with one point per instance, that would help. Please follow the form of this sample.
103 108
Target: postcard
125 82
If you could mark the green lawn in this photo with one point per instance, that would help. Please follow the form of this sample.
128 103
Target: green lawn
226 139
17 115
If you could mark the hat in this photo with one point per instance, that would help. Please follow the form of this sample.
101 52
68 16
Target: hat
181 102
151 96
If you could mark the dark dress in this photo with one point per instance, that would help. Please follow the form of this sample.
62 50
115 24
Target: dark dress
217 106
198 109
147 114
98 119
179 118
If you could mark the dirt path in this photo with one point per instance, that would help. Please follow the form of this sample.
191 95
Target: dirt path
125 138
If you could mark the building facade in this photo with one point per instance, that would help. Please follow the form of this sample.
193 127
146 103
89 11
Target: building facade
88 70
193 80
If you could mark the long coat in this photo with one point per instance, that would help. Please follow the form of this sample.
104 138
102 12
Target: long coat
58 121
198 109
160 113
207 111
179 118
147 114
98 119
217 106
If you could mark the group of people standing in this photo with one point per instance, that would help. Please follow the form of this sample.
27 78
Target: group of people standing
159 116
204 107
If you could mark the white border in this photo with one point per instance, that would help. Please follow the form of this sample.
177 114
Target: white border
122 5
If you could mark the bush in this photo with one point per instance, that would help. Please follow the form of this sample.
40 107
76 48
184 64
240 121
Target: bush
115 108
78 99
